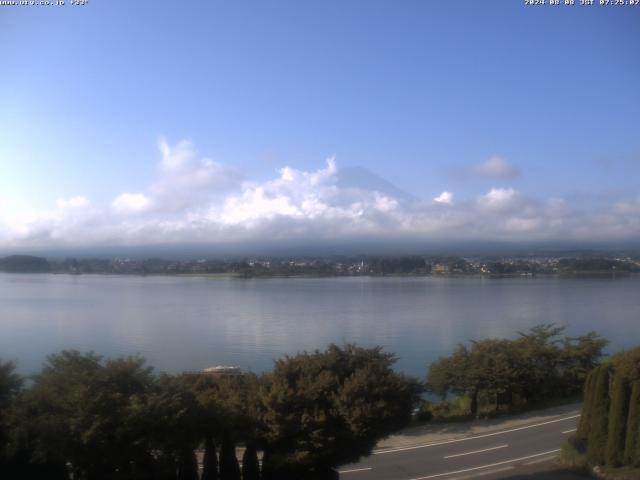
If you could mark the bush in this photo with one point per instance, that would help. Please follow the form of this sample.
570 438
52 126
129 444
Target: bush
451 410
423 412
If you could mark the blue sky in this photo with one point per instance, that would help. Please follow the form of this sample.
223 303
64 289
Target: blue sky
538 105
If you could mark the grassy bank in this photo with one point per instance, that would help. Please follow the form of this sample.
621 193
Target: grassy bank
458 409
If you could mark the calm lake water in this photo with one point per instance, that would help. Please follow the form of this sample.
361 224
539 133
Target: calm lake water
182 323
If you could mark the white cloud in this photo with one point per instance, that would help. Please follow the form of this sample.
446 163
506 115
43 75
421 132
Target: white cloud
196 199
498 198
185 180
131 203
496 167
444 197
175 158
521 225
73 202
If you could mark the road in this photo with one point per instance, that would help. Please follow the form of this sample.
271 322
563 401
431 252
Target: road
524 450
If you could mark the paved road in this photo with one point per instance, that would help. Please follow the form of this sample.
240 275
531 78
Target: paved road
525 450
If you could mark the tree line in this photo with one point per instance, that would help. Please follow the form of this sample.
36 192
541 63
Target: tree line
500 374
84 417
324 266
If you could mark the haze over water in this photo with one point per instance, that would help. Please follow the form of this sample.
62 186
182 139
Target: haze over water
188 323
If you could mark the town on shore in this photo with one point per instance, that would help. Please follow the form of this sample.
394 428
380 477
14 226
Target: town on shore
576 263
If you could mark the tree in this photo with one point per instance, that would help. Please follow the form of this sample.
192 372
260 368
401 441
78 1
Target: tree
497 369
456 374
10 386
597 439
632 444
587 406
579 356
187 465
210 460
250 465
229 468
324 409
631 454
618 415
86 412
542 355
173 418
534 367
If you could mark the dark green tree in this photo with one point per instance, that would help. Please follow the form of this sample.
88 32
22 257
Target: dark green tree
229 468
324 409
540 349
86 412
10 386
587 406
631 454
456 374
579 356
535 367
187 465
173 418
210 460
597 439
250 465
498 369
618 415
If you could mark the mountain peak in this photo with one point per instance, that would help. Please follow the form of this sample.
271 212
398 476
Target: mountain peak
364 179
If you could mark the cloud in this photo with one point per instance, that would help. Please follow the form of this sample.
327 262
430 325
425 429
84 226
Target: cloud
496 167
173 159
194 199
73 202
444 197
131 203
498 199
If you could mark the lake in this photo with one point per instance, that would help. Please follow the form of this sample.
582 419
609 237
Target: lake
188 323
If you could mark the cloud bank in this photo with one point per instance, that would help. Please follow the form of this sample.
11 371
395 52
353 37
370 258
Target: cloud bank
496 167
197 200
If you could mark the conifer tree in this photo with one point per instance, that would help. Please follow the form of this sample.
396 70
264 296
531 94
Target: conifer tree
229 468
632 444
210 460
599 423
587 407
618 414
188 465
250 465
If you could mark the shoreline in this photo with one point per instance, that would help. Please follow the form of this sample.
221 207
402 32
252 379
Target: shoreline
237 275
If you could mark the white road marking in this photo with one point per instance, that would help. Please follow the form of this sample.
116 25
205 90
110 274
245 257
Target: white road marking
482 474
540 460
355 470
569 431
487 466
402 449
476 451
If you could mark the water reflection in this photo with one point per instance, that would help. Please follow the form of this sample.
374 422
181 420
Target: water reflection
189 323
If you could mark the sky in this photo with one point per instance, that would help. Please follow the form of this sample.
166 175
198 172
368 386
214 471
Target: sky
218 122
